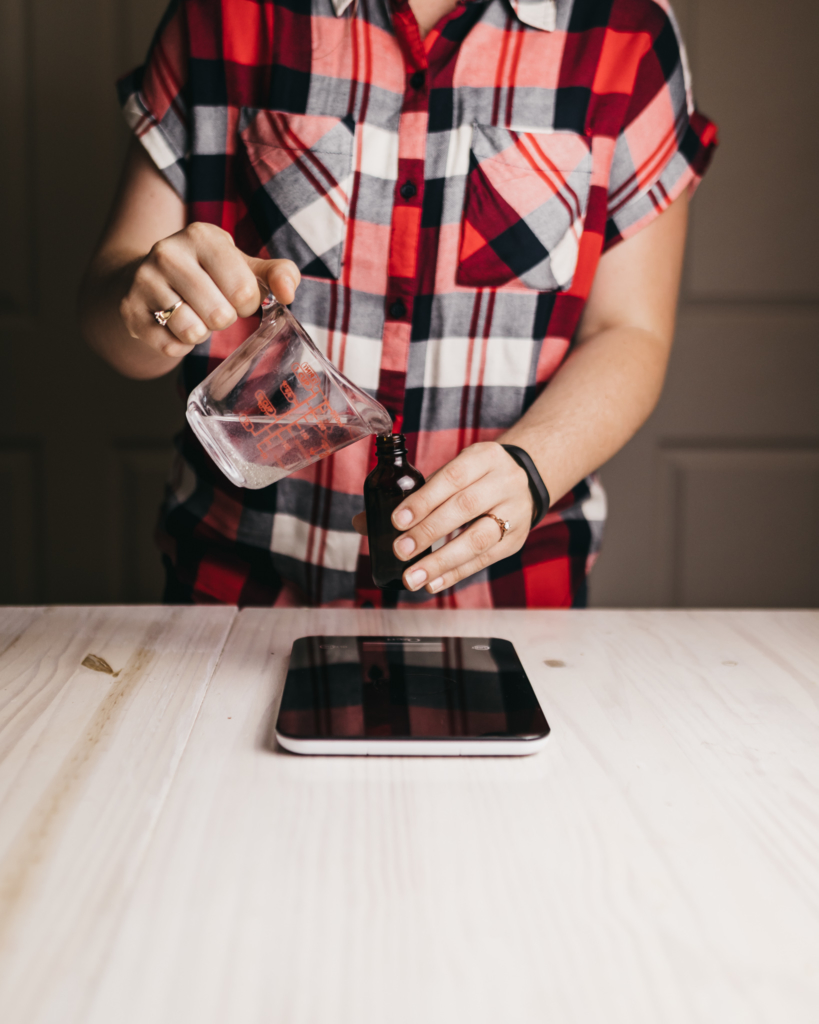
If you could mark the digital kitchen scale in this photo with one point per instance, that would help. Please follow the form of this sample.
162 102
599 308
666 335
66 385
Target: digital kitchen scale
408 695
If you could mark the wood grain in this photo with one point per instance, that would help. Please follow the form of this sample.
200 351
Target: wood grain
656 863
87 760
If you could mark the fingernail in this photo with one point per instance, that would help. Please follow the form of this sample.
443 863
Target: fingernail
405 546
403 518
285 283
436 584
416 578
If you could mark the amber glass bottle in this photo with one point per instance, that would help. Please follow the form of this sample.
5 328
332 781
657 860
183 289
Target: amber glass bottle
384 489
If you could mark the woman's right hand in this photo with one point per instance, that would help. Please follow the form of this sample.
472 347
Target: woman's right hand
216 281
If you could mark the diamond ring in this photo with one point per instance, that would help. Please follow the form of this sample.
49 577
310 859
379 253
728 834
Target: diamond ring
162 316
504 524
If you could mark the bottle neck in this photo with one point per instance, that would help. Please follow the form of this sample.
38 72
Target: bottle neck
391 448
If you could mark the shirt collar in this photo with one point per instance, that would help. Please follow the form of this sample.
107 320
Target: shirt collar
540 14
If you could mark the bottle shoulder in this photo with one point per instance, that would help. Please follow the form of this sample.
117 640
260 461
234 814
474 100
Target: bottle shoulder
389 474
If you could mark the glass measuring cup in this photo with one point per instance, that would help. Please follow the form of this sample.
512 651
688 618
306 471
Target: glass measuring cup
277 404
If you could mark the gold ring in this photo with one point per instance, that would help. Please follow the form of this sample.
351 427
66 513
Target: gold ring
504 524
162 316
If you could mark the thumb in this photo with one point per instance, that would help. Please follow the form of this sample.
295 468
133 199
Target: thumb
360 523
282 276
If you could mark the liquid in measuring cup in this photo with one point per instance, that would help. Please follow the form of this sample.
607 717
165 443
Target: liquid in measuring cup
276 404
263 452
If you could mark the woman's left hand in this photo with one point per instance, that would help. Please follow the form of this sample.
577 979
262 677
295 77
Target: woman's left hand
482 478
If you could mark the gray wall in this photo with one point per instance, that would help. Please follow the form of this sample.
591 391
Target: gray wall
716 501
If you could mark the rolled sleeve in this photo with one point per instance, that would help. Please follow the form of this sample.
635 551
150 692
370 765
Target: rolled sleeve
665 145
154 101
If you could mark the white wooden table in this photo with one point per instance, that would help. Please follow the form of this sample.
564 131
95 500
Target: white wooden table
160 864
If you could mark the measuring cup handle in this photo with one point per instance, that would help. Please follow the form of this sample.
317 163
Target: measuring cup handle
269 300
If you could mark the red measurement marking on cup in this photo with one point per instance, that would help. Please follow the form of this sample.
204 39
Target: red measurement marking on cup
265 405
304 437
308 378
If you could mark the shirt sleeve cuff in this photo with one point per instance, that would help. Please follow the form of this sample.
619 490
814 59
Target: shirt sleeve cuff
165 146
684 170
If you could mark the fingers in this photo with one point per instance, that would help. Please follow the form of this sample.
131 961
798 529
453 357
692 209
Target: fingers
151 292
465 488
473 463
282 276
463 492
187 327
477 547
462 507
216 281
449 579
187 269
228 269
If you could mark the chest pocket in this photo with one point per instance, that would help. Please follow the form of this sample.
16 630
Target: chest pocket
301 171
526 200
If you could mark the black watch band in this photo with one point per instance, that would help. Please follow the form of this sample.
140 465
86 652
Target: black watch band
540 494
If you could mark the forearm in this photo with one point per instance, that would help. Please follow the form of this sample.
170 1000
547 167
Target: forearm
611 381
594 404
108 279
146 210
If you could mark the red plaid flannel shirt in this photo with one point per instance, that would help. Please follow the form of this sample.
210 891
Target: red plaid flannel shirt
447 201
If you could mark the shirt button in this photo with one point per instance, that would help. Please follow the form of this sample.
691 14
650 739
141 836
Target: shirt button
417 79
408 190
398 309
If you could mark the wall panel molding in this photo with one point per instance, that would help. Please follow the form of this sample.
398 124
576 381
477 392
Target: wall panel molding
21 526
739 525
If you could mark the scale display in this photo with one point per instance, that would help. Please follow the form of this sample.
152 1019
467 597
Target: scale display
401 688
